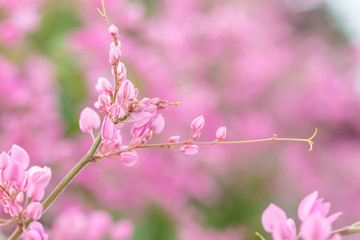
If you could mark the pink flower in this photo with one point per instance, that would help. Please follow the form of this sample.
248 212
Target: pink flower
113 30
189 150
13 209
158 123
273 215
14 172
89 120
129 159
114 55
310 205
34 210
20 155
103 86
103 102
108 131
121 71
174 139
275 221
35 232
140 118
198 123
127 91
4 160
315 227
221 133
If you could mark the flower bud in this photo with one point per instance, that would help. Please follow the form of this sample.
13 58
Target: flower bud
108 131
174 139
189 150
34 210
129 158
140 118
121 72
113 30
198 123
196 135
89 119
13 209
127 90
103 86
40 176
4 160
221 133
158 123
20 155
36 231
36 191
14 172
114 55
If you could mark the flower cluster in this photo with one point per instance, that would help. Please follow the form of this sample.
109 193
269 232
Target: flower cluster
93 225
120 104
22 189
313 214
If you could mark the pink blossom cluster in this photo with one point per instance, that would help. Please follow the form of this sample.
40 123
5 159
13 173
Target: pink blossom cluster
316 224
93 225
232 66
22 189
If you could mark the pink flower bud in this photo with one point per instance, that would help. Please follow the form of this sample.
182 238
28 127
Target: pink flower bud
20 155
272 216
89 119
19 198
195 136
40 176
103 102
34 210
310 204
121 72
25 184
108 131
36 232
221 133
129 158
14 172
174 139
36 191
4 160
114 55
113 30
189 150
13 209
198 123
127 90
138 132
158 123
103 86
140 118
315 227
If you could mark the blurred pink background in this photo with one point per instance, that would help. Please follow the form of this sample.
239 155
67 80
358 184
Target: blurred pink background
257 67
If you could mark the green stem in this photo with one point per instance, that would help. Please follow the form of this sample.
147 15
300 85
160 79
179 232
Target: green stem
63 184
346 231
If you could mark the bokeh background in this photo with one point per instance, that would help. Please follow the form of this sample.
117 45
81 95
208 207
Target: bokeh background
258 67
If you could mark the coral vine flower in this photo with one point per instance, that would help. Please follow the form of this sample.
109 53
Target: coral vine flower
89 120
313 215
221 133
198 123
